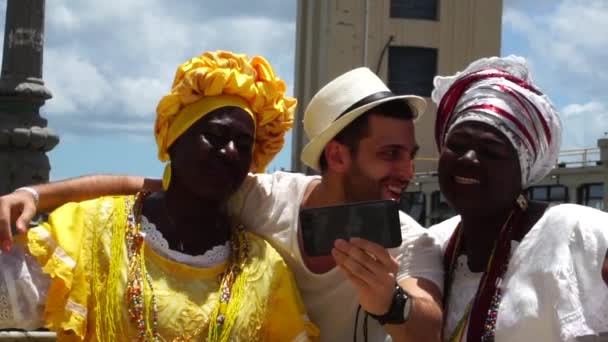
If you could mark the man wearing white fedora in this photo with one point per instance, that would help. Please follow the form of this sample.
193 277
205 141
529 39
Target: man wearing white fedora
362 143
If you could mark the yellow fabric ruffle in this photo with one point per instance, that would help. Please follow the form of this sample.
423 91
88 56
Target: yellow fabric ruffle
82 248
283 307
224 73
58 253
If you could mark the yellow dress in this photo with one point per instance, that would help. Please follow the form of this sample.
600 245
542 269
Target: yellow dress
83 248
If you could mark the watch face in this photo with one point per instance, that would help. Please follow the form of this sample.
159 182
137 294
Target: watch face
407 308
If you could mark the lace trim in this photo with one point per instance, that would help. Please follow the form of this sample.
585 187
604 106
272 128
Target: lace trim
46 237
77 308
63 256
22 290
302 337
6 312
155 239
598 315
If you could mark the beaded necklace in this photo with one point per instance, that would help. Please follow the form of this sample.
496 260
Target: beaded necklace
482 311
142 307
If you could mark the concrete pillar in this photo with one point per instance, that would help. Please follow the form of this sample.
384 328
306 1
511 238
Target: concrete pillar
603 145
428 207
24 136
572 193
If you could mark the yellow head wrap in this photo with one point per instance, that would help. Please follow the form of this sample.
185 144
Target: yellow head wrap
224 79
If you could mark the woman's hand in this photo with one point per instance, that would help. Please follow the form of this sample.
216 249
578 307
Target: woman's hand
19 208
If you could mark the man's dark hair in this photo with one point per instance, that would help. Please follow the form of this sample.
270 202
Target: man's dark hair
359 128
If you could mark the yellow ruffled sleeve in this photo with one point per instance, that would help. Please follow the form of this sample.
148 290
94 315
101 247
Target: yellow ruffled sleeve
65 246
57 245
286 314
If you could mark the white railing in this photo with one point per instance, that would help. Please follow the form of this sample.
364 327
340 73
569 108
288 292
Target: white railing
582 157
579 157
27 336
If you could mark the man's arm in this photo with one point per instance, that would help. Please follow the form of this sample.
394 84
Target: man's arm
425 322
372 270
20 206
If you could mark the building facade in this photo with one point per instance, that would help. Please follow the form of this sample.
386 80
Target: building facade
406 42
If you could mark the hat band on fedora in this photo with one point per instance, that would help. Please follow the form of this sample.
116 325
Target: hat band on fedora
366 100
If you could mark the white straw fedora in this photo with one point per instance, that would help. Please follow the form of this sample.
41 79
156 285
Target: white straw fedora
340 102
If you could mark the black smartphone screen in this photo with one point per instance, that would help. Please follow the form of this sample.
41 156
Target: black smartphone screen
376 221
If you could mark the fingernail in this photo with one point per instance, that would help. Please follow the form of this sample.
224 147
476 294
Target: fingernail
334 254
6 246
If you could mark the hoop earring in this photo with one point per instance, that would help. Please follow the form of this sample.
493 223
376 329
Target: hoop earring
167 176
522 202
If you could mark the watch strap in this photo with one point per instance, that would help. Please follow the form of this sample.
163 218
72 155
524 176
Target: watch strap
394 315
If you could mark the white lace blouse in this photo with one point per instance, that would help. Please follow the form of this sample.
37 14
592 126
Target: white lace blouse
464 287
553 289
23 285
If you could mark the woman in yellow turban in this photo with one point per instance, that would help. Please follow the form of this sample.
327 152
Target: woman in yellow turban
173 265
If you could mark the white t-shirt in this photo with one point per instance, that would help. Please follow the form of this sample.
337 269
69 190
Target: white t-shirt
269 204
553 288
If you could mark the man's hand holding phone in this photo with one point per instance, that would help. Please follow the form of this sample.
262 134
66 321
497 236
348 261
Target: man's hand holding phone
358 235
372 271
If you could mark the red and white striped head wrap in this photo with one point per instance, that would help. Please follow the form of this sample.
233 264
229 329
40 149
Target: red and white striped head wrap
500 92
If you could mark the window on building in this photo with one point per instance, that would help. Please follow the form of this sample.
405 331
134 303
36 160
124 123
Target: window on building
414 9
592 195
549 193
440 209
414 204
411 70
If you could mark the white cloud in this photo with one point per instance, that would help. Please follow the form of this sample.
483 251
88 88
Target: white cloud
569 42
62 17
76 83
582 23
508 4
569 60
138 96
108 63
584 124
575 110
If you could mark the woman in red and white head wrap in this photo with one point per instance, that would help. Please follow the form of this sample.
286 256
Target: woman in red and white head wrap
516 270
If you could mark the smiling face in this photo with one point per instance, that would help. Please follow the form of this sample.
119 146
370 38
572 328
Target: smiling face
382 164
212 158
479 170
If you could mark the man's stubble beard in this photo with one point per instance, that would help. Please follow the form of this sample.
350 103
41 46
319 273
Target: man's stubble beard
353 181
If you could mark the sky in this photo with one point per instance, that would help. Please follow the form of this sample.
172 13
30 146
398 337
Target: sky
108 62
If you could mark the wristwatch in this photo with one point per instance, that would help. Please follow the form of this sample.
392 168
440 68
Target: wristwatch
399 311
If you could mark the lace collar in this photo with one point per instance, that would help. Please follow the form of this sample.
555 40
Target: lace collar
155 239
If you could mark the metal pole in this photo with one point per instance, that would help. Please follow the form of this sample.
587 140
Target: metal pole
365 31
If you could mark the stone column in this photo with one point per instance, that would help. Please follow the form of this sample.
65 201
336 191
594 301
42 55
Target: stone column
24 136
603 145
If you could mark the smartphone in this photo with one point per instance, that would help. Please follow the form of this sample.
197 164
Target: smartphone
376 221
